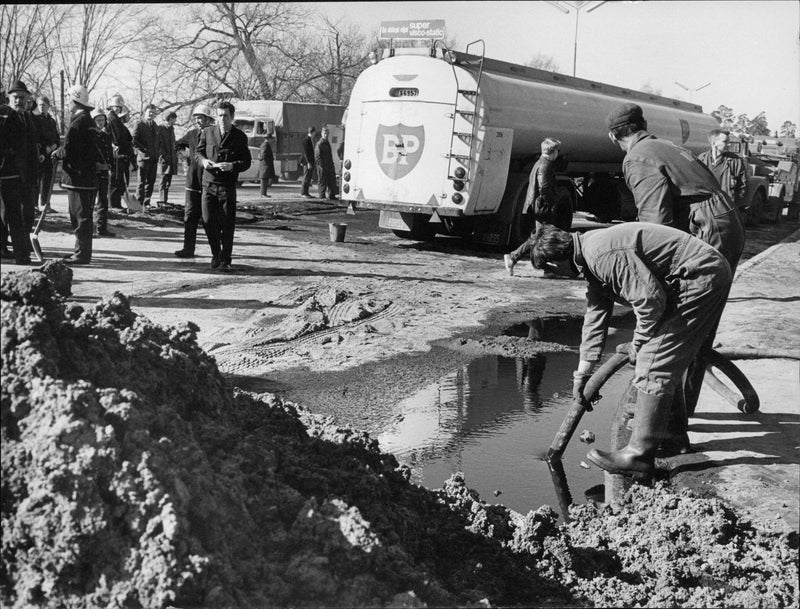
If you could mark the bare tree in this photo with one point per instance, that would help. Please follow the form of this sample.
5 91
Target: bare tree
649 88
336 61
96 36
231 41
21 41
543 62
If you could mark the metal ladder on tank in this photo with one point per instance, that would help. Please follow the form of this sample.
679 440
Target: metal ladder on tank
469 113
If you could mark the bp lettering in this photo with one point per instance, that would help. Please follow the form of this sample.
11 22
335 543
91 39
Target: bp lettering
398 148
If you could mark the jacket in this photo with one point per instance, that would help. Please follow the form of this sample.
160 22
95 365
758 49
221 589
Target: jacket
665 180
12 134
641 265
104 145
29 147
120 136
81 154
49 138
266 167
147 142
323 156
731 173
169 153
308 151
541 186
194 170
232 148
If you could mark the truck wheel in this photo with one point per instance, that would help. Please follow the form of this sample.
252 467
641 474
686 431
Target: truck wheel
757 208
522 224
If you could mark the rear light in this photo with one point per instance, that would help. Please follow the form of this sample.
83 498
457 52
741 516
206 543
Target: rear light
346 188
347 164
346 176
461 173
457 198
458 184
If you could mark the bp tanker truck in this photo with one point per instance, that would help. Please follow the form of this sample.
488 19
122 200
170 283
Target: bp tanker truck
442 142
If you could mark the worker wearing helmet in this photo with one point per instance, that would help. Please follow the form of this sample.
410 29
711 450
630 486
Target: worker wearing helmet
671 186
81 158
104 143
122 145
203 117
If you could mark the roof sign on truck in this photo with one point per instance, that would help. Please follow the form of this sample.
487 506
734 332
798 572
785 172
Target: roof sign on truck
412 30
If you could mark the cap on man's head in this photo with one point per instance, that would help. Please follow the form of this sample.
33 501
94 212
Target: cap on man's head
44 99
116 100
80 95
624 114
19 86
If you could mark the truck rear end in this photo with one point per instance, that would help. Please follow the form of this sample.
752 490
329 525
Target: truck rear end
414 132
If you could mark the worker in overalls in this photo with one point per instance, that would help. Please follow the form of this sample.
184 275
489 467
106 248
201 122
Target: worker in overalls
676 285
673 187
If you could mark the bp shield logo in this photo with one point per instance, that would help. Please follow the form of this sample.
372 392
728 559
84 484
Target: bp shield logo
398 148
684 130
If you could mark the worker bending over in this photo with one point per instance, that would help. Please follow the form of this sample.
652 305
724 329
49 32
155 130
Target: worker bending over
677 286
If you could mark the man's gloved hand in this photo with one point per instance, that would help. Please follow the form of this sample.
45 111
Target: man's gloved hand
579 380
630 350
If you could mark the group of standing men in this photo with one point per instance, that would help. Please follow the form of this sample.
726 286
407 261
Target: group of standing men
97 154
318 163
28 138
674 267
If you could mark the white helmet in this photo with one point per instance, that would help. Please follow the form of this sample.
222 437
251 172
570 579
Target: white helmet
80 95
203 110
97 112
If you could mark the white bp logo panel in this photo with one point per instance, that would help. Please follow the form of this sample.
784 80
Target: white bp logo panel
402 150
398 148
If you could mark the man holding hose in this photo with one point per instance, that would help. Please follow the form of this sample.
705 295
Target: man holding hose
676 285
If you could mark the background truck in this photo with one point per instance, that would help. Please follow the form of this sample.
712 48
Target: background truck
288 122
772 173
443 142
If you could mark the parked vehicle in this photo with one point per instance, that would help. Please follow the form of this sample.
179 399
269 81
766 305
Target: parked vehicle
443 142
288 123
772 172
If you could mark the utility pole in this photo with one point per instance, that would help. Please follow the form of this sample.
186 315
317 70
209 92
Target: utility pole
577 6
692 91
63 127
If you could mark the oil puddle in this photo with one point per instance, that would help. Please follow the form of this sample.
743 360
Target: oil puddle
495 418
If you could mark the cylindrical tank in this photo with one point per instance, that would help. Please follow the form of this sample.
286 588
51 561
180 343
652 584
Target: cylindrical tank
534 103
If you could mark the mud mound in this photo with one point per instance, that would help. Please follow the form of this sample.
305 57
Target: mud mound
665 549
132 476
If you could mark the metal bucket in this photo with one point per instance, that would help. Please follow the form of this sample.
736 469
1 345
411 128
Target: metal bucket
337 230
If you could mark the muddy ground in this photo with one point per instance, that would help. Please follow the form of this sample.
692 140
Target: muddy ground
136 475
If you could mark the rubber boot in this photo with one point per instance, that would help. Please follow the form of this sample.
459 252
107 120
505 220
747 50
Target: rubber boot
676 441
638 457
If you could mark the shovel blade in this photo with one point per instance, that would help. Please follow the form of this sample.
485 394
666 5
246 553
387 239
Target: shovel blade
37 249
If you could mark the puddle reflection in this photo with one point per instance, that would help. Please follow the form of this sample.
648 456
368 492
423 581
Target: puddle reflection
494 420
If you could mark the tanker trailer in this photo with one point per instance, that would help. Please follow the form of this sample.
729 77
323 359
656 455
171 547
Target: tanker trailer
443 141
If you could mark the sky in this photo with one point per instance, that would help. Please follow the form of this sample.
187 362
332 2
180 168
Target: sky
748 50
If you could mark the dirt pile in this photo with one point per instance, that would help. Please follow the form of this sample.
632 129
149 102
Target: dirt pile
133 476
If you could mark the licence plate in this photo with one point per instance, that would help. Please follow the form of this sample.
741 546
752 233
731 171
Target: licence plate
393 220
